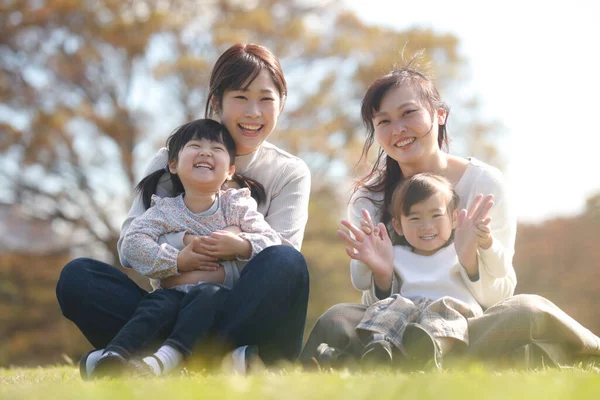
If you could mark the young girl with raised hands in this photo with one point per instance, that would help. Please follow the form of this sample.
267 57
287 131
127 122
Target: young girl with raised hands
429 315
404 113
201 161
267 306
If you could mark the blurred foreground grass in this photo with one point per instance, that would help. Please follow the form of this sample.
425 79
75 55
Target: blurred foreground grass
474 383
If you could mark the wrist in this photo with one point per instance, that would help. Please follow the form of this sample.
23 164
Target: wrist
486 244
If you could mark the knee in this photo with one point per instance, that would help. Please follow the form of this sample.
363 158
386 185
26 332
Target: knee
529 304
335 318
286 260
73 274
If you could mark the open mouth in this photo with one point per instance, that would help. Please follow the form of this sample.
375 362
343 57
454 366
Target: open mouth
250 129
204 165
405 142
427 237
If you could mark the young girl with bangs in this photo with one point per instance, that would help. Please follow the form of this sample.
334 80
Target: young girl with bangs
201 161
267 307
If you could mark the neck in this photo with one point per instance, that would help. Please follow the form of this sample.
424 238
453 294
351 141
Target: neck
198 202
435 163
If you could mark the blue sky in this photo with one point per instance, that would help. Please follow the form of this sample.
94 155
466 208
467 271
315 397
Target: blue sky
534 66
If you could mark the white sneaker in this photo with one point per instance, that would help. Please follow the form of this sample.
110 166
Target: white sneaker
243 361
88 362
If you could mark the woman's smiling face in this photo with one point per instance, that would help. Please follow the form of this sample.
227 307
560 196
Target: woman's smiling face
251 114
404 126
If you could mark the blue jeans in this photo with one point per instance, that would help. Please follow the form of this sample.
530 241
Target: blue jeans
266 307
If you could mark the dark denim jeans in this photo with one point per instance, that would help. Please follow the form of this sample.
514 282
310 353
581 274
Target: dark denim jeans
266 307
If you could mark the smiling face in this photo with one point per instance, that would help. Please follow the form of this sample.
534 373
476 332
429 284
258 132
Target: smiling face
405 128
250 114
203 166
428 225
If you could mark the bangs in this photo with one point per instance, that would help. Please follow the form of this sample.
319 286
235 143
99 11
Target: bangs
199 129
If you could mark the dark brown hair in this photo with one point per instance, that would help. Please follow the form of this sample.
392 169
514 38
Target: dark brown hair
236 68
386 173
416 189
419 188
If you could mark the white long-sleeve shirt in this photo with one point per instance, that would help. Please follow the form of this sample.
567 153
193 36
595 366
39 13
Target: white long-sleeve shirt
434 276
286 179
497 278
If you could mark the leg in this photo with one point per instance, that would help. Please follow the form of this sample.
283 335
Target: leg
197 314
530 320
153 320
98 298
267 306
337 328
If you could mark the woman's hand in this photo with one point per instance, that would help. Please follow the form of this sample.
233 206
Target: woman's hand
374 249
473 232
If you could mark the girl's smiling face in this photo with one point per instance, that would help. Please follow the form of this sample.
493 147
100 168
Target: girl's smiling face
202 166
428 225
250 114
405 128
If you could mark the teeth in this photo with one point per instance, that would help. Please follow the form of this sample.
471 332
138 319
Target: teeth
251 127
427 237
203 165
405 142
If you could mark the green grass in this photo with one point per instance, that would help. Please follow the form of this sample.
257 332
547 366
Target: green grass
473 383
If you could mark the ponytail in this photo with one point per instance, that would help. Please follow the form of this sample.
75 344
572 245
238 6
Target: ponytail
257 191
147 186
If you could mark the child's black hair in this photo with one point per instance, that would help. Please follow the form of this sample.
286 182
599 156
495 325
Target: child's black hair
198 129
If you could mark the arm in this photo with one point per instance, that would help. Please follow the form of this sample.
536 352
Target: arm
288 211
254 232
361 275
497 279
141 248
174 239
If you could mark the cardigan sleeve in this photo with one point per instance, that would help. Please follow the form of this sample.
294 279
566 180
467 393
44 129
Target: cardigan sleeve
288 211
497 278
164 188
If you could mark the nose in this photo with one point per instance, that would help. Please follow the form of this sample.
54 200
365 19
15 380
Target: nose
398 127
252 109
205 151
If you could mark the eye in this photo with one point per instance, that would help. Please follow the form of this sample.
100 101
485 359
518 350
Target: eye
194 145
413 219
267 99
240 97
408 112
218 148
382 122
437 215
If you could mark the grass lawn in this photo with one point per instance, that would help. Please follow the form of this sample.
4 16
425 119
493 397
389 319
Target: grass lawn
471 383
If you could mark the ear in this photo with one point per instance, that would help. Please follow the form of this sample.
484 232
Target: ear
230 173
173 167
397 226
441 116
454 219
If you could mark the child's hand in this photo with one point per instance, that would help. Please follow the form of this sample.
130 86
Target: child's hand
225 245
467 234
374 249
190 260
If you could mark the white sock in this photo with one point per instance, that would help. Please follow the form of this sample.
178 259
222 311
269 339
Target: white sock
167 356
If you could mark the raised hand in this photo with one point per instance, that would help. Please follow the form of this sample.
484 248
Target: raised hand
473 232
374 249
